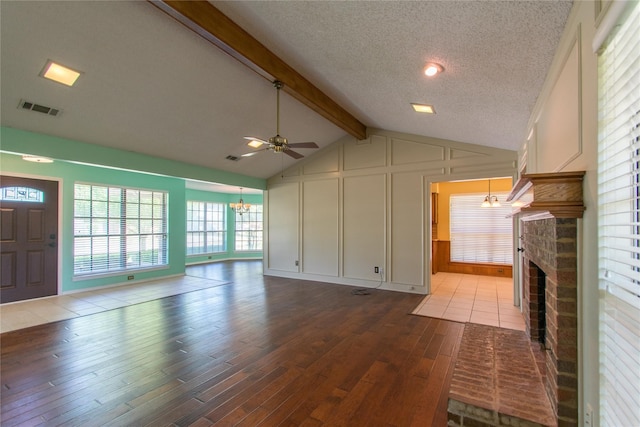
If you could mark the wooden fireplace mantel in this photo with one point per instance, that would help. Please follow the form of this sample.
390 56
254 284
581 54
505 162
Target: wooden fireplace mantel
548 195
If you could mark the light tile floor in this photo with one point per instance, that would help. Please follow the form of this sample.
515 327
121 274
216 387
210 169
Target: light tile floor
475 299
24 314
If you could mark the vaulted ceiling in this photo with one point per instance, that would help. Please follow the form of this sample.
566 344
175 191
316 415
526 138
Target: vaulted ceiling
151 85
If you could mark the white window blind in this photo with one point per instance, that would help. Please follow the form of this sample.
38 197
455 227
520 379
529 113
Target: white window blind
480 235
206 227
619 223
118 229
248 233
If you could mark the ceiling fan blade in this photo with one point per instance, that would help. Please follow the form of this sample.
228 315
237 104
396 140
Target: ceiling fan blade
253 138
252 153
293 154
304 145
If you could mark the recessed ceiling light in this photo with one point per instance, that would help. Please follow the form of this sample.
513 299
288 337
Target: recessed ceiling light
60 73
423 108
254 142
432 68
37 159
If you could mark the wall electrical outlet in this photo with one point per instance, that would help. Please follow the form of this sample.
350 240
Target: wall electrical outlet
376 270
130 277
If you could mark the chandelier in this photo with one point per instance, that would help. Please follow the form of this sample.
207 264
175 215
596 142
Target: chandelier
240 207
490 201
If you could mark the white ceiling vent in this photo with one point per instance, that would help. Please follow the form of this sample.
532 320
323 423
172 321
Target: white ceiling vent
28 105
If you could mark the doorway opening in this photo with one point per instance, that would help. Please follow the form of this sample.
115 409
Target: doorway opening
472 257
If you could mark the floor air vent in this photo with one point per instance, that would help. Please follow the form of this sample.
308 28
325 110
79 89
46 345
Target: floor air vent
27 105
233 158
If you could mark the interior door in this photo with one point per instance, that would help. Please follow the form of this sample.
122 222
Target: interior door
28 238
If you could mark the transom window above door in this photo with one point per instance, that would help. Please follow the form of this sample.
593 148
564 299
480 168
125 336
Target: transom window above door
22 194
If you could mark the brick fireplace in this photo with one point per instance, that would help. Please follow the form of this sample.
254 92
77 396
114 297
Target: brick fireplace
514 378
550 307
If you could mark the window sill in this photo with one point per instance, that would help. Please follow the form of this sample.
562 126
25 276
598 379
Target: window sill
124 273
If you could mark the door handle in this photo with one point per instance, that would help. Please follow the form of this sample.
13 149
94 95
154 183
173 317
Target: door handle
52 245
520 249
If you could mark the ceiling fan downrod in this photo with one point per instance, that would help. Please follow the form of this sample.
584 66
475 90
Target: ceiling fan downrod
278 141
278 85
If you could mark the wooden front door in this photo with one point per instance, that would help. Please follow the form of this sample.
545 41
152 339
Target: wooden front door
28 238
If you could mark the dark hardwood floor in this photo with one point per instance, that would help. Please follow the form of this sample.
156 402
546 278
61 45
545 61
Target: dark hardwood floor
257 351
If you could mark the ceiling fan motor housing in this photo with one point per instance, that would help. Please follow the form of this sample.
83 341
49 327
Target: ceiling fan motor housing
279 143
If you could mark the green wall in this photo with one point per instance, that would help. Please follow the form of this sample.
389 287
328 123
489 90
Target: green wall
24 142
68 174
205 196
75 167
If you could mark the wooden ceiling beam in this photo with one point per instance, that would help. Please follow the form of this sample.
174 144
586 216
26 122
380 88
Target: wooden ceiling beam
210 23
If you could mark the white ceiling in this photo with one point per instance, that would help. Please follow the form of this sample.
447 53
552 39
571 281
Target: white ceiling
150 85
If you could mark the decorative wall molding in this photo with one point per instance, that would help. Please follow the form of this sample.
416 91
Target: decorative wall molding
381 212
559 123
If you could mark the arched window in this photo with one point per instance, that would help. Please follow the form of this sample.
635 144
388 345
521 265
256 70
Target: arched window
22 194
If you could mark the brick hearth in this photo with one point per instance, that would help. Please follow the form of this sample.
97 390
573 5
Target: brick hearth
497 382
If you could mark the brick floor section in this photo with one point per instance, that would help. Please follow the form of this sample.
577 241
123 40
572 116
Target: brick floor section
496 381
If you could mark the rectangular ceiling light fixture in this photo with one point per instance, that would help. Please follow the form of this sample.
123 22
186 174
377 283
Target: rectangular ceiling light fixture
423 108
60 73
253 141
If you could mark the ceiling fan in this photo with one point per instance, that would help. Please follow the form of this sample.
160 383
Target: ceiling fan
278 144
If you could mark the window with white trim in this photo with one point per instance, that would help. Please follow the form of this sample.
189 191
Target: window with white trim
206 227
619 223
118 229
480 234
248 233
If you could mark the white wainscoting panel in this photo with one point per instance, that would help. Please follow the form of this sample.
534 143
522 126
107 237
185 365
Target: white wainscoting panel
364 203
320 238
283 226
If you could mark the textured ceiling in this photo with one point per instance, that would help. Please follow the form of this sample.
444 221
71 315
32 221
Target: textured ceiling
152 86
369 57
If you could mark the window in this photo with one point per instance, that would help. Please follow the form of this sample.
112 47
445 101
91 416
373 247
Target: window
635 162
206 227
619 222
118 229
480 235
21 194
249 229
